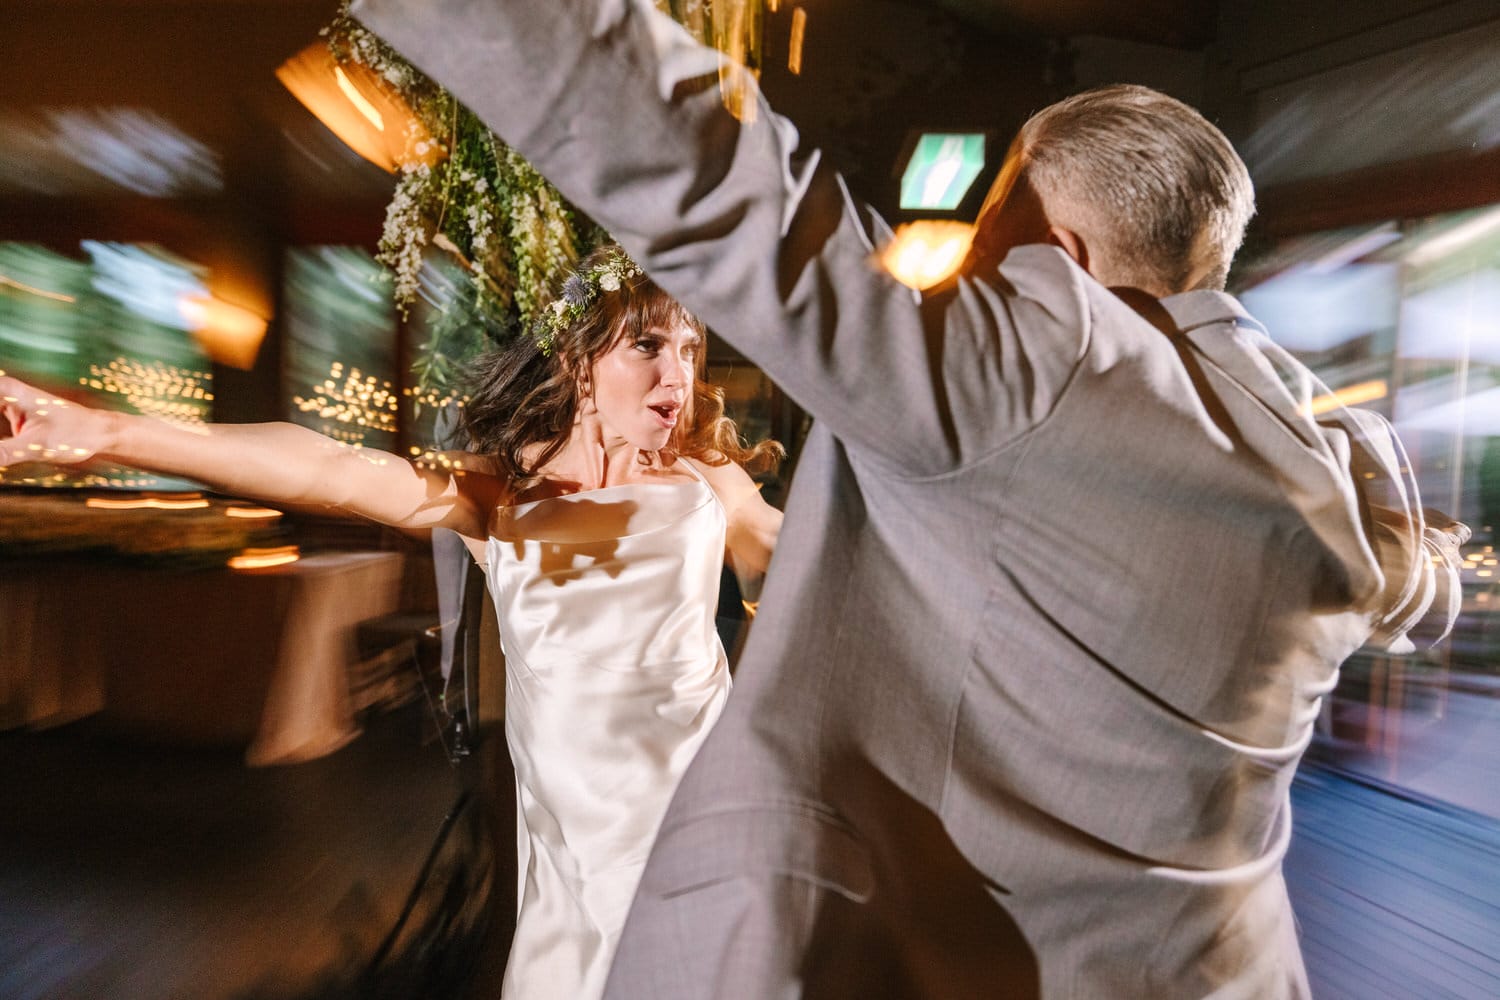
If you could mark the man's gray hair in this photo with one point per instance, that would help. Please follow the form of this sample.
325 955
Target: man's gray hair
1154 181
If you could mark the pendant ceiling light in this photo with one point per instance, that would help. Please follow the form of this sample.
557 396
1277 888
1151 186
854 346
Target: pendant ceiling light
359 107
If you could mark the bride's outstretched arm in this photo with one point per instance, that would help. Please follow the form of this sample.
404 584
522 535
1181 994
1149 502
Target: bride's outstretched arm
275 463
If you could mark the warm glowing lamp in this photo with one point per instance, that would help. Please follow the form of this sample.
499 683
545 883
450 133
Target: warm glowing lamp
927 251
228 333
359 107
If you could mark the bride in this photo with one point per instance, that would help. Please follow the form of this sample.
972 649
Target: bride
604 496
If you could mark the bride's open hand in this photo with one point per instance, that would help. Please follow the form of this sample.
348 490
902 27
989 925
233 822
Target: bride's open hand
36 426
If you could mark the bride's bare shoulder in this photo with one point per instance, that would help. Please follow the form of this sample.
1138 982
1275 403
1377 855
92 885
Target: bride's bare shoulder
728 479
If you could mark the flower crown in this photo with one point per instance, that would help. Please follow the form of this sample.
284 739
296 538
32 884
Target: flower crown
580 291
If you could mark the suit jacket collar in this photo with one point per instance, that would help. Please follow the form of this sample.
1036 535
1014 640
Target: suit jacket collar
1218 328
1190 310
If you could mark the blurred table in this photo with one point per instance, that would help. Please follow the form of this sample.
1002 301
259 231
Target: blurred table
253 658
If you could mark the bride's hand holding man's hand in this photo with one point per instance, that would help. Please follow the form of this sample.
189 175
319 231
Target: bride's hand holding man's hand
36 426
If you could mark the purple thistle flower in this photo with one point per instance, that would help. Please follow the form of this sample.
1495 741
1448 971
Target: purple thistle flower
575 291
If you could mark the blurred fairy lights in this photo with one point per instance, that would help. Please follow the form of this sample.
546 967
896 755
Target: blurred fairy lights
164 391
432 458
351 405
433 398
160 390
1482 563
72 480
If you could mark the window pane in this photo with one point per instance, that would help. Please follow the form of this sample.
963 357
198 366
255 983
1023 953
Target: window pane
1404 317
339 366
114 330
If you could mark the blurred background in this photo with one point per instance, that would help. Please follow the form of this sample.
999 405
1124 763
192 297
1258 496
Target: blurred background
236 755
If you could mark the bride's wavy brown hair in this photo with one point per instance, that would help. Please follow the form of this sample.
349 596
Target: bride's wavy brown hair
522 397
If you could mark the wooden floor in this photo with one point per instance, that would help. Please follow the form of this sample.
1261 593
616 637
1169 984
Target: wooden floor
135 874
129 872
1395 897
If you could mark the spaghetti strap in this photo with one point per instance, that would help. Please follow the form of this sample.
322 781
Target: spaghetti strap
698 475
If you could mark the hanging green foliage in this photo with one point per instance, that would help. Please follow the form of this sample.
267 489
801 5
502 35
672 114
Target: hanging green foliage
462 190
476 199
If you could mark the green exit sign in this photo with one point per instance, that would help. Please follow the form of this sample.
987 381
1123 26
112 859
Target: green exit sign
941 169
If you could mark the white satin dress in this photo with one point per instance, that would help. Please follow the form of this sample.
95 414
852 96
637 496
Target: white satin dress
614 675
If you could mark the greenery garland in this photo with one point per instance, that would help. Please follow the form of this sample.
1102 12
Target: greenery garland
478 200
481 202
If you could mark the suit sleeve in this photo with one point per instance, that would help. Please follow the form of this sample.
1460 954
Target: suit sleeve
1417 548
620 109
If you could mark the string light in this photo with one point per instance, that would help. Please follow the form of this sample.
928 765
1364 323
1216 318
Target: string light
433 398
431 458
159 390
351 405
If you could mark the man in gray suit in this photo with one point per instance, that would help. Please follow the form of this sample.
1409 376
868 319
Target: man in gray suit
1067 567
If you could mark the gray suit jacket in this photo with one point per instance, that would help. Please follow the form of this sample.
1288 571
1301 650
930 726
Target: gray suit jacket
1060 587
